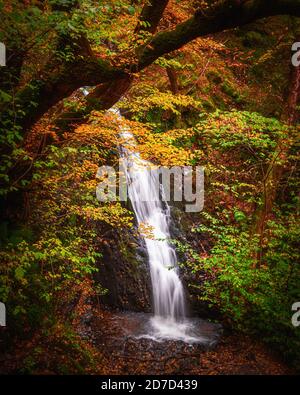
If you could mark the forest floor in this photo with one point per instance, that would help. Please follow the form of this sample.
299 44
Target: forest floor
115 337
233 354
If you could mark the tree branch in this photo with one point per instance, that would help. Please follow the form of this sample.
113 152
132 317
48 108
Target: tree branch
224 15
88 70
152 13
40 95
106 95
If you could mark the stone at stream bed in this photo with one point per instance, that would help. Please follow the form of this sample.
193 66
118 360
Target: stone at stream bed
127 340
123 353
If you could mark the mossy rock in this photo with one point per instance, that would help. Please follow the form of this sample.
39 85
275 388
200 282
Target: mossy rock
124 272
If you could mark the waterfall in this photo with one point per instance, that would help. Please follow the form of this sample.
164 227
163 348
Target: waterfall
168 294
151 209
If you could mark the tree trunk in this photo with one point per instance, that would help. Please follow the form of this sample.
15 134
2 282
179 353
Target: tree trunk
90 70
173 80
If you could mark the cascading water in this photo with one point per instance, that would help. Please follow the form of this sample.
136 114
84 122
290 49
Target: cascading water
150 207
168 294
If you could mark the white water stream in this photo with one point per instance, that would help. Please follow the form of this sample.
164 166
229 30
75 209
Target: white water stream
151 210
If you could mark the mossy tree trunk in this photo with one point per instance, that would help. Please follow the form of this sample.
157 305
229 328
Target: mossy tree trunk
87 69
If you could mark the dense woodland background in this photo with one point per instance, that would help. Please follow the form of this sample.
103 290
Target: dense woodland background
206 83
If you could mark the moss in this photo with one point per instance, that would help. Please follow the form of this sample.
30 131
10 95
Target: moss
254 39
128 249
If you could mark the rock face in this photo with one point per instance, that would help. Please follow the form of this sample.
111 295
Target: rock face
124 269
120 338
124 272
180 230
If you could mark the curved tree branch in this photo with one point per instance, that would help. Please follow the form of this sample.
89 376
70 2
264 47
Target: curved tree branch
224 15
151 14
106 95
41 94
